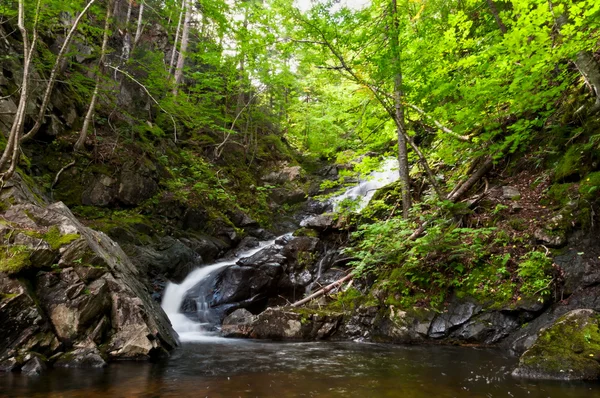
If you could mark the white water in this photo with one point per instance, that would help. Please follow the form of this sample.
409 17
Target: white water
174 294
366 188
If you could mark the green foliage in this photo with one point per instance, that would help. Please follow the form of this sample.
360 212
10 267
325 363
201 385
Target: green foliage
589 187
534 270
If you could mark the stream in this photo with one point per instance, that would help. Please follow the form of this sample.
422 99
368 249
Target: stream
238 368
207 365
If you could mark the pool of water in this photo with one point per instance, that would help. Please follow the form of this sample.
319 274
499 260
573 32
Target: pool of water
234 368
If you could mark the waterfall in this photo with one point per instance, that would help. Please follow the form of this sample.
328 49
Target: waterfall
174 295
366 188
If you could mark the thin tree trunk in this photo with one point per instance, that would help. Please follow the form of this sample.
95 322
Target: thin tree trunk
399 113
184 43
53 75
496 15
10 156
172 63
90 112
138 31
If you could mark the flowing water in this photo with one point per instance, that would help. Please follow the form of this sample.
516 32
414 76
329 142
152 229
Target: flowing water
234 368
366 188
174 295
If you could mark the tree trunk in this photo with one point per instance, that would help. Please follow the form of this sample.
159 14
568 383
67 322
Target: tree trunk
496 15
90 112
172 63
53 75
399 113
138 31
590 70
184 43
10 156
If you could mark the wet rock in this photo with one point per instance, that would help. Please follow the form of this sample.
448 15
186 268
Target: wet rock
238 324
487 328
574 269
568 350
81 358
169 257
316 207
34 367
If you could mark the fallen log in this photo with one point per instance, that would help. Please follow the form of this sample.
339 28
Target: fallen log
321 292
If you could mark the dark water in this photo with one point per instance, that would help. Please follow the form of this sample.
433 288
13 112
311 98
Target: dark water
231 368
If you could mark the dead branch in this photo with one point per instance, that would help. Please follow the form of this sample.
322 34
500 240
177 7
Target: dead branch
323 291
60 172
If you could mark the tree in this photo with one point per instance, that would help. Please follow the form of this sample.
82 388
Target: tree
90 112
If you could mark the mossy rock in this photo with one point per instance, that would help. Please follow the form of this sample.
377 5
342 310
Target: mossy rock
15 258
568 350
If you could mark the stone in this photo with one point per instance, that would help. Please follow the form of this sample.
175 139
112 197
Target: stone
511 193
81 358
238 324
287 196
567 350
458 313
34 367
134 187
550 238
574 269
319 222
102 191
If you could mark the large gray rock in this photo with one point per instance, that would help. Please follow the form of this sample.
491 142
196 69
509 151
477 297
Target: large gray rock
567 350
284 324
89 295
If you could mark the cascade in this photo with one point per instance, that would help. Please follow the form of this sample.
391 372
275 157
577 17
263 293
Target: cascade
366 188
174 294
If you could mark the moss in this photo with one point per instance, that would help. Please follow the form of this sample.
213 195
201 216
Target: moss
56 240
589 188
8 296
559 194
518 224
311 233
13 259
349 300
568 349
570 165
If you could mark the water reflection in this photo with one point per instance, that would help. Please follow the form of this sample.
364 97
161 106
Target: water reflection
261 369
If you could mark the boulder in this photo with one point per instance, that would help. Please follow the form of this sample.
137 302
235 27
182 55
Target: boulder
237 324
279 323
89 295
567 350
550 238
319 222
